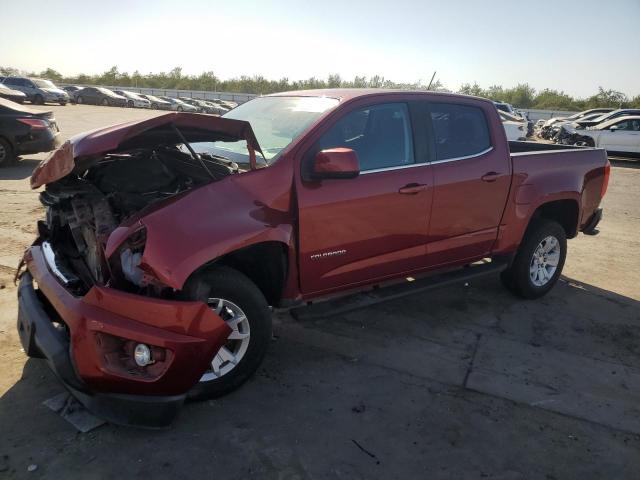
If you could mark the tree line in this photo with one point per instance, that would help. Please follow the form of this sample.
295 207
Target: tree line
520 96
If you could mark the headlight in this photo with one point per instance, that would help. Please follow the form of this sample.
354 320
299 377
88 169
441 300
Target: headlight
125 262
130 265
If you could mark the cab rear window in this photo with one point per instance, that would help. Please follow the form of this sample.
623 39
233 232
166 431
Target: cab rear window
460 130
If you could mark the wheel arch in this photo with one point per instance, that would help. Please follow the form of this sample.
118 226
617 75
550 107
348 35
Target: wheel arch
566 212
265 263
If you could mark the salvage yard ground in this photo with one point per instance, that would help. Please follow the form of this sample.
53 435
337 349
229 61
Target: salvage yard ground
466 382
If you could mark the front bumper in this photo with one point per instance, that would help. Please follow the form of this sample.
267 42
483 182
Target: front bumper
69 332
54 98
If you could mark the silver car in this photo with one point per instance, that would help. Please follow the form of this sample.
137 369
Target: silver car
37 90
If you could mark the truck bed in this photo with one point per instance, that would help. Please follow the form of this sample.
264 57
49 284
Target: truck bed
523 147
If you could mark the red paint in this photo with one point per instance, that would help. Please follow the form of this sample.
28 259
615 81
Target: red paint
336 161
339 233
190 331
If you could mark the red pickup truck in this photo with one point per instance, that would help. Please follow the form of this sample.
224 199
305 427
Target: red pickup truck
167 240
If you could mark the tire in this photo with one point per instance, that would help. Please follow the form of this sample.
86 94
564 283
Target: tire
180 109
79 100
104 102
63 103
154 106
7 156
38 100
532 273
130 104
242 294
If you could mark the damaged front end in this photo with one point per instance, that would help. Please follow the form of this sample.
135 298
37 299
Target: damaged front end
88 301
98 182
84 210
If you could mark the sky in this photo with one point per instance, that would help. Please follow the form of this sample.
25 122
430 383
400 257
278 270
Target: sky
574 46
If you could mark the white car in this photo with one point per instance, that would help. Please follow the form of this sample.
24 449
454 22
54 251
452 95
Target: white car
621 135
515 127
505 107
577 116
133 99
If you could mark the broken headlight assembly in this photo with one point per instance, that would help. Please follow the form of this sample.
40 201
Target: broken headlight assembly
129 272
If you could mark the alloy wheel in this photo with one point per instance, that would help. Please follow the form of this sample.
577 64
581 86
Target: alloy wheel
544 261
231 353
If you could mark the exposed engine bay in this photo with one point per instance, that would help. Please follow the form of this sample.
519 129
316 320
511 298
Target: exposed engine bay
83 209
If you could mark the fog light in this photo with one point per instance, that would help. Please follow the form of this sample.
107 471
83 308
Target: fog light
142 355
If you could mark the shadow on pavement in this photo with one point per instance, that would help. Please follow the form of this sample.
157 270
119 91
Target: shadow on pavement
380 392
19 171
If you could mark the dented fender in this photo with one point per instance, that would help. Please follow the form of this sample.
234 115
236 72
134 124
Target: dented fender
211 221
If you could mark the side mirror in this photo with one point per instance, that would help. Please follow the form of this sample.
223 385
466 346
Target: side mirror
613 128
336 163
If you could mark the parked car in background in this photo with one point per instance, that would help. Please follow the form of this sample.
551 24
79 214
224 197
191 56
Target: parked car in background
156 102
71 91
620 135
559 130
133 99
194 102
37 90
24 131
225 103
547 131
620 112
577 116
179 106
515 127
505 107
11 94
205 106
216 108
152 279
100 96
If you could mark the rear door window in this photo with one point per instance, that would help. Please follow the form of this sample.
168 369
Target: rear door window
459 130
380 135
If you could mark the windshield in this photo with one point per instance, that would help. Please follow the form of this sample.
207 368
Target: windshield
43 83
276 122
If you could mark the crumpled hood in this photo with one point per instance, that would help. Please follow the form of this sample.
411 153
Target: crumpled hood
139 134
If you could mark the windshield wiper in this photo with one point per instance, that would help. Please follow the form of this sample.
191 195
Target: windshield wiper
192 151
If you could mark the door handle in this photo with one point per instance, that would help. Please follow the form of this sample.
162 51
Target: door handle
412 188
490 177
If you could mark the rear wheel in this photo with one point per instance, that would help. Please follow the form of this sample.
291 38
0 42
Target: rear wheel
130 103
239 302
539 260
154 106
38 100
7 157
105 102
79 99
180 109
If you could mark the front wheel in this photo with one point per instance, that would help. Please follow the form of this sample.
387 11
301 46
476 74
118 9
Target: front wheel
239 302
539 260
105 102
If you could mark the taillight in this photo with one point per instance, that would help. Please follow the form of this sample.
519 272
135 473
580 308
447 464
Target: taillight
35 123
605 180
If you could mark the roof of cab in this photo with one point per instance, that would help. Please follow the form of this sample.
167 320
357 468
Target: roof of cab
343 94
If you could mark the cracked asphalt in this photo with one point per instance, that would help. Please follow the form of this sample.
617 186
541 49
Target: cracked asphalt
464 382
